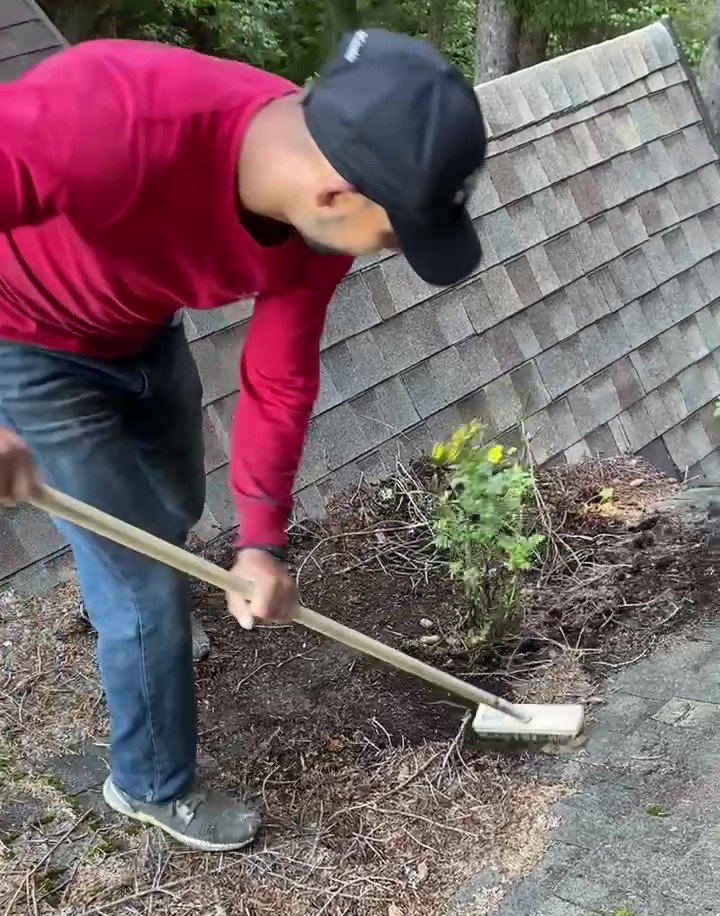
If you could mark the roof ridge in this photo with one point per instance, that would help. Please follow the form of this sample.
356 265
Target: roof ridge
39 13
553 87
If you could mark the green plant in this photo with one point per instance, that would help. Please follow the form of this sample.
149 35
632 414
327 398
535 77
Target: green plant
482 521
655 811
716 412
624 911
605 495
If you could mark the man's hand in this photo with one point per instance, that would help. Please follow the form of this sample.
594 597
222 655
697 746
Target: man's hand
18 477
274 592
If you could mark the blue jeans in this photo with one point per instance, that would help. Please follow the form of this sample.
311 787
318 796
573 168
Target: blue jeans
126 436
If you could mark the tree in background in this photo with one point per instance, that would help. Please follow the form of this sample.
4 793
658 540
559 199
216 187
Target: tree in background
512 34
246 30
289 37
485 38
509 36
710 70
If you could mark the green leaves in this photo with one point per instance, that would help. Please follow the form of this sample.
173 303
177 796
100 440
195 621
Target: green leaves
586 22
481 522
294 37
606 494
290 37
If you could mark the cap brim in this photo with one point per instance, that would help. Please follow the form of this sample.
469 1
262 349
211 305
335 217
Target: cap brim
443 254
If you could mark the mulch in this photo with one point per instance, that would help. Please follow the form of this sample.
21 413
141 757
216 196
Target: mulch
378 800
617 577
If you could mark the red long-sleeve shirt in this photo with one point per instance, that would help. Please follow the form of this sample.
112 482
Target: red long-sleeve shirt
118 207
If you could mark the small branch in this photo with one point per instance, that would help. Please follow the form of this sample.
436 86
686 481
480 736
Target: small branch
455 743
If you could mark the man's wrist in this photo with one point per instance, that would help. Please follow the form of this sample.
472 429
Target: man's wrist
262 523
279 553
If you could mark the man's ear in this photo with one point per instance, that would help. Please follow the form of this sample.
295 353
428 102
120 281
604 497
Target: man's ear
338 200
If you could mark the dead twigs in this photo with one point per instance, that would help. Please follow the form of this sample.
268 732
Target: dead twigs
367 817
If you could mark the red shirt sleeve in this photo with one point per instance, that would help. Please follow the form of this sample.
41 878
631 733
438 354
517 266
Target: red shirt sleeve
279 380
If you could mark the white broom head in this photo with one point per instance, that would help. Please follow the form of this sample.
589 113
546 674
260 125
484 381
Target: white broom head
548 720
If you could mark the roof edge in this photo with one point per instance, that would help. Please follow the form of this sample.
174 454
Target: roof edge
694 84
554 87
47 22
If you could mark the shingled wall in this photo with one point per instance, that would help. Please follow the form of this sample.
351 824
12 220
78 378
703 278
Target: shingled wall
593 317
26 37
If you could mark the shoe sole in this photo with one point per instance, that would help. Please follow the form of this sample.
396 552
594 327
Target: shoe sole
118 804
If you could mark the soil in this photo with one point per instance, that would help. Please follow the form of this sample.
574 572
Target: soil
325 693
378 799
621 577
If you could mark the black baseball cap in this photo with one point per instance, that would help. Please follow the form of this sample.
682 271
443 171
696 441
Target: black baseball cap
402 125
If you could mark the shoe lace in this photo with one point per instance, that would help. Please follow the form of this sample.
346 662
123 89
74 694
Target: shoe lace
187 805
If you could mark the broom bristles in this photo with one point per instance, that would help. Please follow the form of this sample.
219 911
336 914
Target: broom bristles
544 722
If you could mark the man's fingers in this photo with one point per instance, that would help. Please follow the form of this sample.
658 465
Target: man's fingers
246 619
7 480
18 477
273 590
240 609
268 605
26 482
264 606
264 602
5 489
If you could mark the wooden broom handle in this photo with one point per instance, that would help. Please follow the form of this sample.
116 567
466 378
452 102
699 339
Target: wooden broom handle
86 516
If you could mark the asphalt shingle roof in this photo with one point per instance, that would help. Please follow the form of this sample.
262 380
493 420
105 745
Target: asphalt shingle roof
593 317
26 37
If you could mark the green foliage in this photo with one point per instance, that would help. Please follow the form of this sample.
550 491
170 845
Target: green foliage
557 16
585 22
289 37
606 494
690 19
481 521
294 37
716 412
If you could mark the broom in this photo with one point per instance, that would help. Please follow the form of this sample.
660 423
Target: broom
495 717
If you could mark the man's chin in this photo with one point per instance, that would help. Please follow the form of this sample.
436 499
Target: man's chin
319 248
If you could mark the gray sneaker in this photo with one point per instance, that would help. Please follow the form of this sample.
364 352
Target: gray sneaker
200 641
202 819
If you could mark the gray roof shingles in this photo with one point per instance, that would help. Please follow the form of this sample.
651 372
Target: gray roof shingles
26 37
592 319
600 200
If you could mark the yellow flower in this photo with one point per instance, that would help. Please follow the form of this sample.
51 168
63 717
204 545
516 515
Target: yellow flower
495 454
438 453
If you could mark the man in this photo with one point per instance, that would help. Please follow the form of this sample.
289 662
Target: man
136 180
